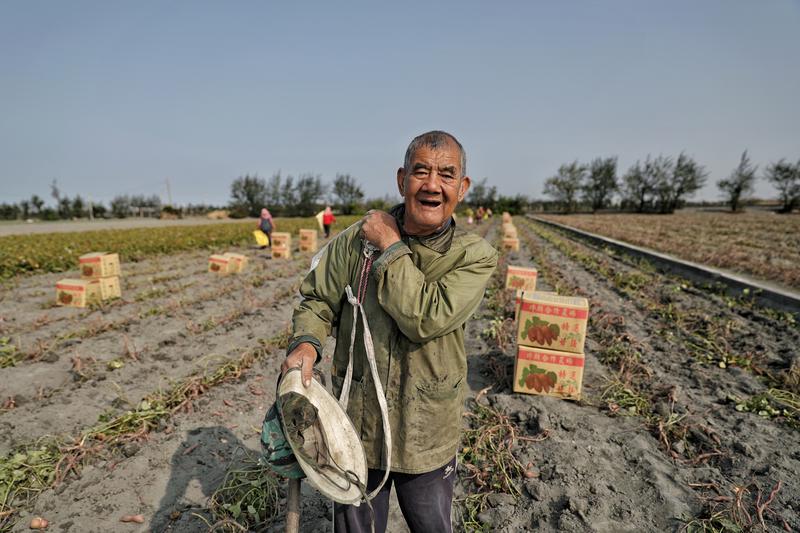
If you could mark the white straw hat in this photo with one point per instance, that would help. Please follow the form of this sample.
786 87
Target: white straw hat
325 442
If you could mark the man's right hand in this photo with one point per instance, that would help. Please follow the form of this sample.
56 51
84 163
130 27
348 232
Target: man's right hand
303 356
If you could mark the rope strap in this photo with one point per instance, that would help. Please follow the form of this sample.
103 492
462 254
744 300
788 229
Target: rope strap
369 347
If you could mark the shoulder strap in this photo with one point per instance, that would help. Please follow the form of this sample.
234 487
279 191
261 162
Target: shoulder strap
358 309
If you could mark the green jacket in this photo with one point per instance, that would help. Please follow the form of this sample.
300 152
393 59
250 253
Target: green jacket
420 293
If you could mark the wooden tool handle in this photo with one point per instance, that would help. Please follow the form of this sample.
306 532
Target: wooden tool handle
293 507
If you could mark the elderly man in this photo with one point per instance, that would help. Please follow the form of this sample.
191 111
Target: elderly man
427 281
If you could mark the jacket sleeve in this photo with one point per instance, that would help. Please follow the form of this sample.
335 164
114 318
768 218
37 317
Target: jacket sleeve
322 291
425 310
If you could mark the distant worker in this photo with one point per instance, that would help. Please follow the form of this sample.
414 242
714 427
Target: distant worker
488 213
479 215
327 221
267 225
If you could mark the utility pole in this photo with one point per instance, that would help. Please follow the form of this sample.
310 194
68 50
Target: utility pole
169 192
91 208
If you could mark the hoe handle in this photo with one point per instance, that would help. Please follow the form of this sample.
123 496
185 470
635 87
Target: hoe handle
293 507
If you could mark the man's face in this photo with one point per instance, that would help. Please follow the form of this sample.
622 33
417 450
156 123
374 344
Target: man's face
432 187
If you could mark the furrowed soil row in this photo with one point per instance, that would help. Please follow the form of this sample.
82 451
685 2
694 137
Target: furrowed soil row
763 244
21 308
717 330
46 341
50 461
107 368
100 383
686 404
554 442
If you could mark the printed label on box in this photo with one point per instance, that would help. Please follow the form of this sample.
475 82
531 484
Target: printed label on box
77 292
220 264
308 235
281 239
281 253
521 278
548 372
99 265
551 321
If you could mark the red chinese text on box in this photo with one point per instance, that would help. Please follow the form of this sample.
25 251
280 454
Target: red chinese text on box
564 360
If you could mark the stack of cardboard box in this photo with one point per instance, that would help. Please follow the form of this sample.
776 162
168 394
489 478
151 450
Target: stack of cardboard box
281 245
551 331
510 240
99 281
308 240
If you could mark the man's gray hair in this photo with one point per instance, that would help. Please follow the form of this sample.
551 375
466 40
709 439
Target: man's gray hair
434 139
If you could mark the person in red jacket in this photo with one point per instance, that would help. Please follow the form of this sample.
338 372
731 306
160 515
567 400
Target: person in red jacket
327 220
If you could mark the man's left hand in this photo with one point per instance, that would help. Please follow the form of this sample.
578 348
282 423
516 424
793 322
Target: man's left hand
380 228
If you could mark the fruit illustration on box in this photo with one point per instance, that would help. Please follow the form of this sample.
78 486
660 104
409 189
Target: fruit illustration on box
87 270
64 297
516 282
537 379
540 331
214 267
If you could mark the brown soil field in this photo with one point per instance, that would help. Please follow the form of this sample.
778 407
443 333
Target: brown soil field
762 244
689 419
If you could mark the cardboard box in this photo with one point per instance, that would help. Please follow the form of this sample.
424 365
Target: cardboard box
521 278
308 240
509 231
308 235
220 264
511 245
281 253
281 239
99 265
518 301
77 292
109 287
553 322
238 262
548 372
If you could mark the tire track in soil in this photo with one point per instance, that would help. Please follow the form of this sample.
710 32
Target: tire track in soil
167 348
700 392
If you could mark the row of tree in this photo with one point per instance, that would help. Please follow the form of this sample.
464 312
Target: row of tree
658 184
783 175
662 184
302 196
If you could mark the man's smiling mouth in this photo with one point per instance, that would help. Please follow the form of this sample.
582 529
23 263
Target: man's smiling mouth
430 203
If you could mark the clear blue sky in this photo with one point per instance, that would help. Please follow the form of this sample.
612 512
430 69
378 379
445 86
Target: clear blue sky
114 97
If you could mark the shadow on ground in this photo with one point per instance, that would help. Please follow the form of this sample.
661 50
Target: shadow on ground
198 467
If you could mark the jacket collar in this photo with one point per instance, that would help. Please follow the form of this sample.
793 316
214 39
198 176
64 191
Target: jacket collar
438 242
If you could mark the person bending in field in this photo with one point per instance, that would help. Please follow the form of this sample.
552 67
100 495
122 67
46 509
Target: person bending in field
427 280
267 225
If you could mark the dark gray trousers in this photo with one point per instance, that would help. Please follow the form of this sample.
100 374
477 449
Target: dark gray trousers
426 501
